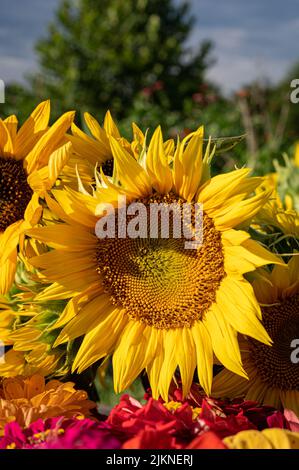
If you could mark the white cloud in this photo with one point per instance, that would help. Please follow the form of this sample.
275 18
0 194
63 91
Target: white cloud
12 69
244 53
230 75
227 38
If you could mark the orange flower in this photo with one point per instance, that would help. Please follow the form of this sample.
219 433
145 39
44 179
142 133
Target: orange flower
26 399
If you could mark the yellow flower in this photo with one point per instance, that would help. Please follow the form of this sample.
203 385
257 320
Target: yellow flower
26 327
273 373
173 406
90 152
30 160
276 215
267 439
152 303
27 399
32 350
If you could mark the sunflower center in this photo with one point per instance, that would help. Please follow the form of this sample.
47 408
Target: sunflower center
108 166
15 192
274 362
157 280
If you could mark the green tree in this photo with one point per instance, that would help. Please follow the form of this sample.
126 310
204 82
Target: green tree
19 100
100 54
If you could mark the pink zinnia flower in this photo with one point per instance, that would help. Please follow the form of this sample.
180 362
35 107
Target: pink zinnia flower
59 433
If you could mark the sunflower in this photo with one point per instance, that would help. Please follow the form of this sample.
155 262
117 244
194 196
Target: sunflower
94 150
25 400
267 439
32 345
277 223
25 327
273 376
274 216
30 160
153 303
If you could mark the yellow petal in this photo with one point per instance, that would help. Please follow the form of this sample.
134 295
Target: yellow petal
32 129
50 261
55 292
87 147
9 239
248 440
136 348
247 257
204 355
110 126
48 143
33 211
186 359
154 368
88 317
97 343
169 364
234 237
6 145
57 161
131 175
188 156
220 188
97 132
78 207
240 212
157 164
282 439
236 299
63 237
7 272
224 341
11 123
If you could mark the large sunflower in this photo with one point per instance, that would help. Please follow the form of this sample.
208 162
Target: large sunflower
152 303
30 160
273 376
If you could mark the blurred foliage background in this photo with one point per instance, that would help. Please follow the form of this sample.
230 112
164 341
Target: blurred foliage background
132 57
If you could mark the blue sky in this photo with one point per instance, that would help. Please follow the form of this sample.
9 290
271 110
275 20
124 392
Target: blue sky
253 38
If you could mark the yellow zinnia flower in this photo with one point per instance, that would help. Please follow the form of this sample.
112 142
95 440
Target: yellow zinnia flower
272 371
30 161
25 400
152 303
267 439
